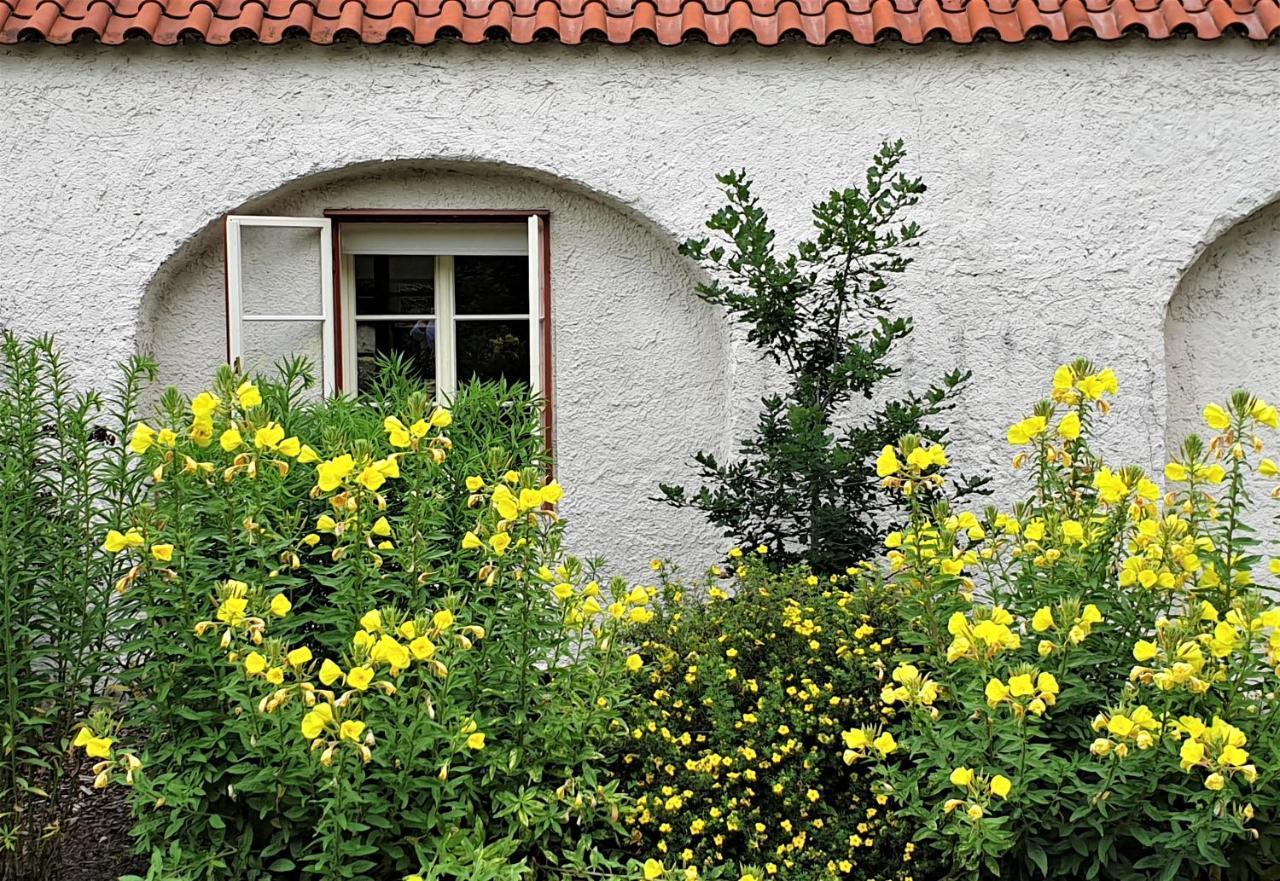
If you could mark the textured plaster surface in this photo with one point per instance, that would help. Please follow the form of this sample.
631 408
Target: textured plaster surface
1071 187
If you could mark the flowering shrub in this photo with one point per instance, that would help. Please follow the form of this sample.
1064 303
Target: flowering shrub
737 756
361 652
1086 684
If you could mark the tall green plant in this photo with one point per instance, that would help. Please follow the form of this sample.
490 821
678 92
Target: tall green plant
62 478
804 483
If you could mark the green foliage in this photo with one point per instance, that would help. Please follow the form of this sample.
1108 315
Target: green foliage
242 778
803 484
62 476
1088 682
737 761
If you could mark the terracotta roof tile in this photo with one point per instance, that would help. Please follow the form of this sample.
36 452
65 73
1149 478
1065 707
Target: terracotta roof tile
669 22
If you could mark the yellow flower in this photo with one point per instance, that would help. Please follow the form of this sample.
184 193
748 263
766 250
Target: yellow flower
422 648
1042 620
163 552
961 777
653 870
1268 468
1072 531
1144 650
371 621
996 692
441 418
500 543
442 620
325 523
1175 471
1001 786
280 605
475 484
381 527
1020 685
397 434
552 493
98 747
315 722
230 440
329 672
254 663
204 404
306 455
1216 418
563 591
371 478
1022 432
330 474
299 656
1215 782
471 541
290 447
476 741
268 437
1069 427
887 462
248 396
117 541
505 503
360 677
143 437
635 663
885 744
352 730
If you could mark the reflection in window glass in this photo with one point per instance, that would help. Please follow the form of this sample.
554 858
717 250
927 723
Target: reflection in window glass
491 285
414 340
394 284
490 350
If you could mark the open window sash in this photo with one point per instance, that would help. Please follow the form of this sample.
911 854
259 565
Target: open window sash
280 292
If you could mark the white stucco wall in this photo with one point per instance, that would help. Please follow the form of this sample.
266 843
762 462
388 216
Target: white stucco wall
1071 186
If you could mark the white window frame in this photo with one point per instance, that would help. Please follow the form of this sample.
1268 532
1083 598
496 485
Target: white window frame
236 316
444 240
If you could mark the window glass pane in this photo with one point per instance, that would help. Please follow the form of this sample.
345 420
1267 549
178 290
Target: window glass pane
280 271
489 350
265 343
414 340
395 284
491 285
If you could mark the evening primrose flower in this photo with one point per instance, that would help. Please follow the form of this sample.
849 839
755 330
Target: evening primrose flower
476 741
254 664
1216 418
280 605
887 463
635 663
360 677
117 541
471 541
442 620
248 396
230 440
143 437
475 484
268 437
500 543
1023 432
299 656
162 552
1000 786
653 870
961 777
352 730
329 672
1069 427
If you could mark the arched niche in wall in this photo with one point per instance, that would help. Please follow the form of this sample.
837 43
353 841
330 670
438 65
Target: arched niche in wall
1222 326
641 367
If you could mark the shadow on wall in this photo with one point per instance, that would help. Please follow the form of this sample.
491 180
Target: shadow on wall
1222 327
1222 333
642 370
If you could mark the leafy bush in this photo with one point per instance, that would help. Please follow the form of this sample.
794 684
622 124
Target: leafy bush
1089 683
62 476
362 651
804 484
737 761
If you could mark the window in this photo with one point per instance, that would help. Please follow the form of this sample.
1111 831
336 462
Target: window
459 296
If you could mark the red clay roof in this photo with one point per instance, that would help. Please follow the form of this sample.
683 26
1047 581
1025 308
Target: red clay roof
622 21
